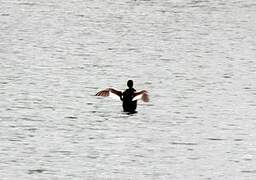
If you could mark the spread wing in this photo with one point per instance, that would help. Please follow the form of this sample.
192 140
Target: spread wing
143 95
109 92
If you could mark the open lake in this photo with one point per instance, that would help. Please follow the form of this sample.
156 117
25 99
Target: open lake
196 58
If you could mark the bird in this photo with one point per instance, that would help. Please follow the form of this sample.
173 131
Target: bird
129 97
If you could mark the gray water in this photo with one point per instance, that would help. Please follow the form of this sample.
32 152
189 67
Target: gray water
195 57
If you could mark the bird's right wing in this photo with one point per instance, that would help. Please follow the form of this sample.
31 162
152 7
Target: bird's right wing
143 95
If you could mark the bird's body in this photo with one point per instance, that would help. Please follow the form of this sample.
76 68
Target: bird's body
129 97
129 105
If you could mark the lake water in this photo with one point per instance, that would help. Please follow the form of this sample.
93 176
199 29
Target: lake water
197 59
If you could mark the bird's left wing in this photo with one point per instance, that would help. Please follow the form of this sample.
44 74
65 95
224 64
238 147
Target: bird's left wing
110 92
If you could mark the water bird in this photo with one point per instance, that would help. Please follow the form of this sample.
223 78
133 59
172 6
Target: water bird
129 97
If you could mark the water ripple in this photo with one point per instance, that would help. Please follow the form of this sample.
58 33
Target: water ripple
196 58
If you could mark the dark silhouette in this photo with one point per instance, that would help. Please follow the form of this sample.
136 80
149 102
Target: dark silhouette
129 96
128 104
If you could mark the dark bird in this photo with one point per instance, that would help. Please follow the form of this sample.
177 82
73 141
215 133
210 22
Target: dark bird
129 96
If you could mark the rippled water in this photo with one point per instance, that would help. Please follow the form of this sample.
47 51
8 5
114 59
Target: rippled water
196 58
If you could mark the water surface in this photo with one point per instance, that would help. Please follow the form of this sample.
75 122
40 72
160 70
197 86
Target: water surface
196 58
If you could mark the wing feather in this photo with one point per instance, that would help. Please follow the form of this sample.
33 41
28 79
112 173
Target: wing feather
141 95
109 92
